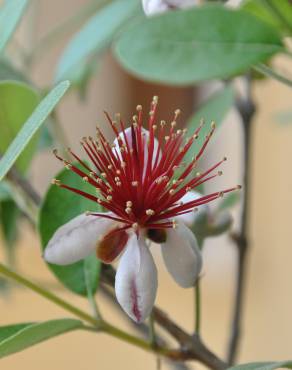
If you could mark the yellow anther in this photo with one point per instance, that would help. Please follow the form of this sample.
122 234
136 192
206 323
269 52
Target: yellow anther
150 212
56 182
128 210
129 203
139 108
109 198
134 183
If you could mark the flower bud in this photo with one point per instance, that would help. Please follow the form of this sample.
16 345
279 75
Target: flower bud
152 7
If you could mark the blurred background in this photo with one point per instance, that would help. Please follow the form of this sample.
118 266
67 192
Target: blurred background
267 323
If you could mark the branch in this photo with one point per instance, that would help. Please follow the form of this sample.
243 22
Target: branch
246 108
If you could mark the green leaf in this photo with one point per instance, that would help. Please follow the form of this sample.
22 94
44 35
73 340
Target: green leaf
96 35
229 200
15 94
10 15
215 109
188 46
59 207
15 338
277 13
263 366
8 216
31 126
5 192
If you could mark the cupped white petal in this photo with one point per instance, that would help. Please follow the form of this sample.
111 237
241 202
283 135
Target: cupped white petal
136 280
158 6
154 6
127 135
76 239
182 256
190 218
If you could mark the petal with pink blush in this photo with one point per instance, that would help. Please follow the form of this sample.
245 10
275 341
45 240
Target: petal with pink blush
136 280
126 136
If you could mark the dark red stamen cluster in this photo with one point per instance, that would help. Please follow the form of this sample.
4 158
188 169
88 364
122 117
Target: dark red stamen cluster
136 178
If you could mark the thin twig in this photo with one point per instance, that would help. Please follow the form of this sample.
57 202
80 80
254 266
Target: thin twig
269 72
246 108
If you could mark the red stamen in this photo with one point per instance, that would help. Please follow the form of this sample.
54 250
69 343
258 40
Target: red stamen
136 177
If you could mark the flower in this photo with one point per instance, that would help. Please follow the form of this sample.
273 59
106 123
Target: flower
160 6
146 188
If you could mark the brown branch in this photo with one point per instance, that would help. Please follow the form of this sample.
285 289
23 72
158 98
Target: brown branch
246 108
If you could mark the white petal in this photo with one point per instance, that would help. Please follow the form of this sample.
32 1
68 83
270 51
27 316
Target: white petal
158 6
136 280
154 6
76 239
145 133
182 256
190 218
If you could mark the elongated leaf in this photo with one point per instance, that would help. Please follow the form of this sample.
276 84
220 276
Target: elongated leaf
31 126
15 338
215 109
10 15
263 366
95 35
59 207
15 94
188 46
275 12
5 192
8 216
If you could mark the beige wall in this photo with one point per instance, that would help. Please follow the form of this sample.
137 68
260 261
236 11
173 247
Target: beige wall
267 319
